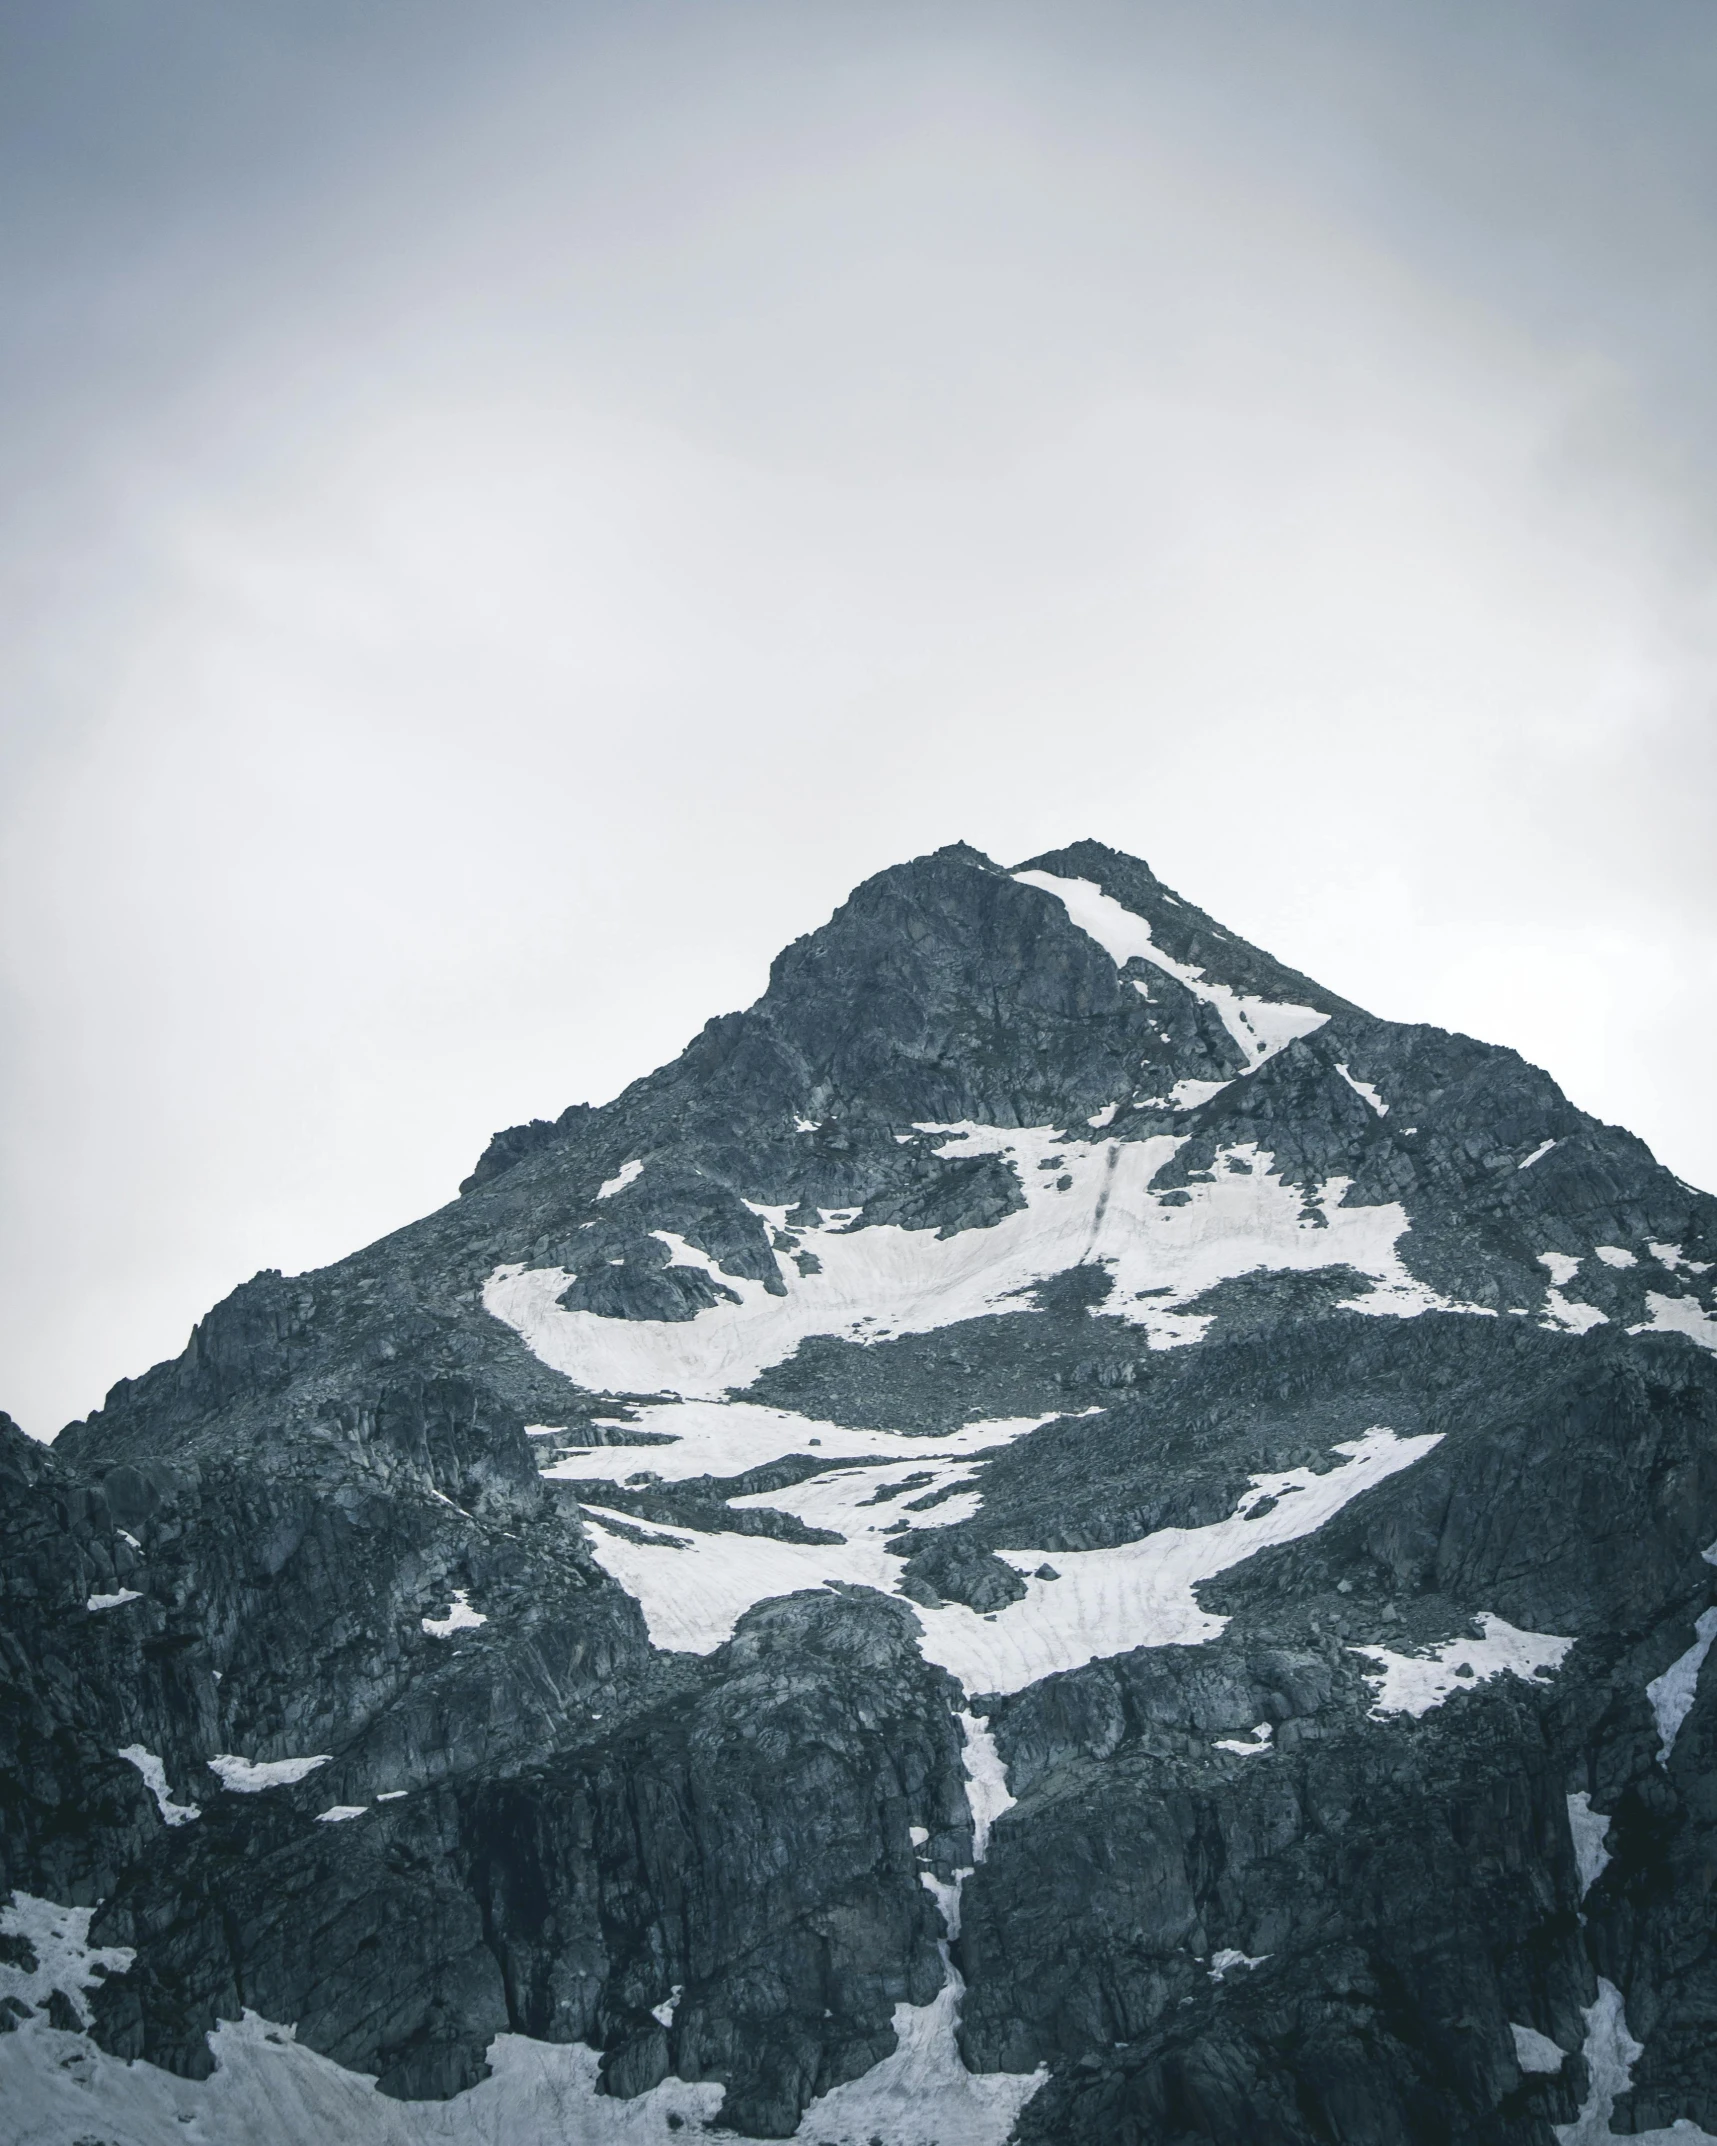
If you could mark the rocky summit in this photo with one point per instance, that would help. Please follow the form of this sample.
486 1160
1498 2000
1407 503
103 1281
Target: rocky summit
1053 1534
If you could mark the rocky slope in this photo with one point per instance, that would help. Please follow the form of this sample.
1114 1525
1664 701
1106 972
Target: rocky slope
1052 1533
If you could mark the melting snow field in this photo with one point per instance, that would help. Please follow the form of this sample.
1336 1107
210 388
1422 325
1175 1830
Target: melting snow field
460 1618
1162 1252
695 1585
1414 1683
1672 1694
1260 1026
1611 2054
1590 1830
249 1778
1678 1315
154 1775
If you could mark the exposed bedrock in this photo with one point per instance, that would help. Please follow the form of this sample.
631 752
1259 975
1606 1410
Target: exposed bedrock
1299 1429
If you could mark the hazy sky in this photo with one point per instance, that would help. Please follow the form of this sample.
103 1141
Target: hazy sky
507 513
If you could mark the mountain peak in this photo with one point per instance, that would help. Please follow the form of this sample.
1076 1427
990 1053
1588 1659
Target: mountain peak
1045 1408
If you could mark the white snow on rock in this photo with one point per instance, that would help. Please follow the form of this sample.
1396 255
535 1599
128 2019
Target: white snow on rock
1105 1116
460 1618
1673 1257
1261 1027
694 1585
1538 1154
1615 1255
1225 1962
1261 1740
249 1778
1575 1317
155 1780
1162 1251
1365 1089
59 1937
1559 1310
986 1781
730 1438
106 1602
267 2089
1611 2054
1678 1315
338 1813
1590 1830
923 2092
1190 1094
663 2013
624 1176
1673 1693
1534 2051
1414 1683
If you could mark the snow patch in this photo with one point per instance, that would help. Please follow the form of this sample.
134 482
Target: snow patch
1105 1116
1191 1094
269 2090
1364 1089
694 1585
1673 1257
923 2091
1615 1255
873 1283
105 1602
460 1618
1414 1683
1611 2054
246 1777
1538 1154
1574 1317
1225 1962
1534 2051
1261 1027
731 1438
1678 1315
627 1173
1589 1829
986 1781
65 1960
1673 1693
663 2013
1260 1741
337 1813
155 1780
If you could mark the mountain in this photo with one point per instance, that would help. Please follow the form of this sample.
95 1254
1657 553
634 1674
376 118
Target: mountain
1054 1533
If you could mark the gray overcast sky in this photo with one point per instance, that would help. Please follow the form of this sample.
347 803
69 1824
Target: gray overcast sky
507 513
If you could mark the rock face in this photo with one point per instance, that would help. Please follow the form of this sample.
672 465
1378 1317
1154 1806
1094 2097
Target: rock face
1052 1533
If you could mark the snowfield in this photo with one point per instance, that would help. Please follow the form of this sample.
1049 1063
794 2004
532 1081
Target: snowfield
1163 1249
695 1585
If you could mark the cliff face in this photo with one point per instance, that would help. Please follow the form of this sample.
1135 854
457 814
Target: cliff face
1052 1532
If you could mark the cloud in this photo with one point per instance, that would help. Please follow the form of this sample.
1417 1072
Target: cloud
525 521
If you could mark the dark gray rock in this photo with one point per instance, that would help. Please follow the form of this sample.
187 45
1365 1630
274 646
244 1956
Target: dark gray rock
579 1824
